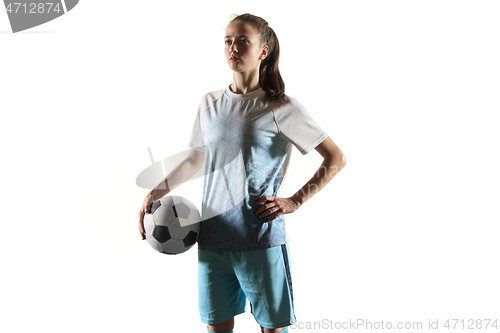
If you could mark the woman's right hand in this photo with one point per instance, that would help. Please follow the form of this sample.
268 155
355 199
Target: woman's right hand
146 206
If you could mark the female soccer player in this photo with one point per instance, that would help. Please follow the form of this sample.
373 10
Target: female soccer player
244 135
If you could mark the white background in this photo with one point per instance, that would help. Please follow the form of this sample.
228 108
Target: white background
408 231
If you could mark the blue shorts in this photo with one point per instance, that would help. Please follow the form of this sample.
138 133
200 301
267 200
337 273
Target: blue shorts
227 278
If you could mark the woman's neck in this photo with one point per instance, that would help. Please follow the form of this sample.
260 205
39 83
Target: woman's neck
244 84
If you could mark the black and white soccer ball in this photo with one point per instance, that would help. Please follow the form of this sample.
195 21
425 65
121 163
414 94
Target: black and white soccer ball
172 225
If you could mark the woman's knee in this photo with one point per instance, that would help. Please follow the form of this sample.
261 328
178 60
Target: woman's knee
228 325
276 330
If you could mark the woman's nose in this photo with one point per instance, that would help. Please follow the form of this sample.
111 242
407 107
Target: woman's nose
233 48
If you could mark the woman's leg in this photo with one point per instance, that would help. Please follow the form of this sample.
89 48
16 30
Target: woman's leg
265 277
274 330
220 297
228 325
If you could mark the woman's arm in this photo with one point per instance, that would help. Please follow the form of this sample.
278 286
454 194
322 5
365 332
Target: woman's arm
180 174
333 162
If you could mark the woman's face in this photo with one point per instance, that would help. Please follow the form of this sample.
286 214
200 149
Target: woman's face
242 42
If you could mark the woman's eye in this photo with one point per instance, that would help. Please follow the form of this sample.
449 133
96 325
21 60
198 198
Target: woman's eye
243 40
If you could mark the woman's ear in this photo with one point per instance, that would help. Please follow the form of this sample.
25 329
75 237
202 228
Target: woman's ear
265 50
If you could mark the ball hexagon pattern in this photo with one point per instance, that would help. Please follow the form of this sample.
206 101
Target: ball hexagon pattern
172 225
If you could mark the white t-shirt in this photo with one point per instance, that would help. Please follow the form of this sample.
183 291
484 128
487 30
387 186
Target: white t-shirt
247 149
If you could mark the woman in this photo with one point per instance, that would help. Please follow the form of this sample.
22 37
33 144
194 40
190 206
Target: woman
244 135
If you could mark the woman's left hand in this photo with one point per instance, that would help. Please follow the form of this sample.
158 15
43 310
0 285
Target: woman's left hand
276 205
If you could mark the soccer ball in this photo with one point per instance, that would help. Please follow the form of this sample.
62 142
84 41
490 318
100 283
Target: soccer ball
172 225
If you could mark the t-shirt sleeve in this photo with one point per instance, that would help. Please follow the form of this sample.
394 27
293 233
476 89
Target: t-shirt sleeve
196 140
297 126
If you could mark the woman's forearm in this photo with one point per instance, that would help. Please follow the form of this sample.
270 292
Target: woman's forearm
180 174
328 169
